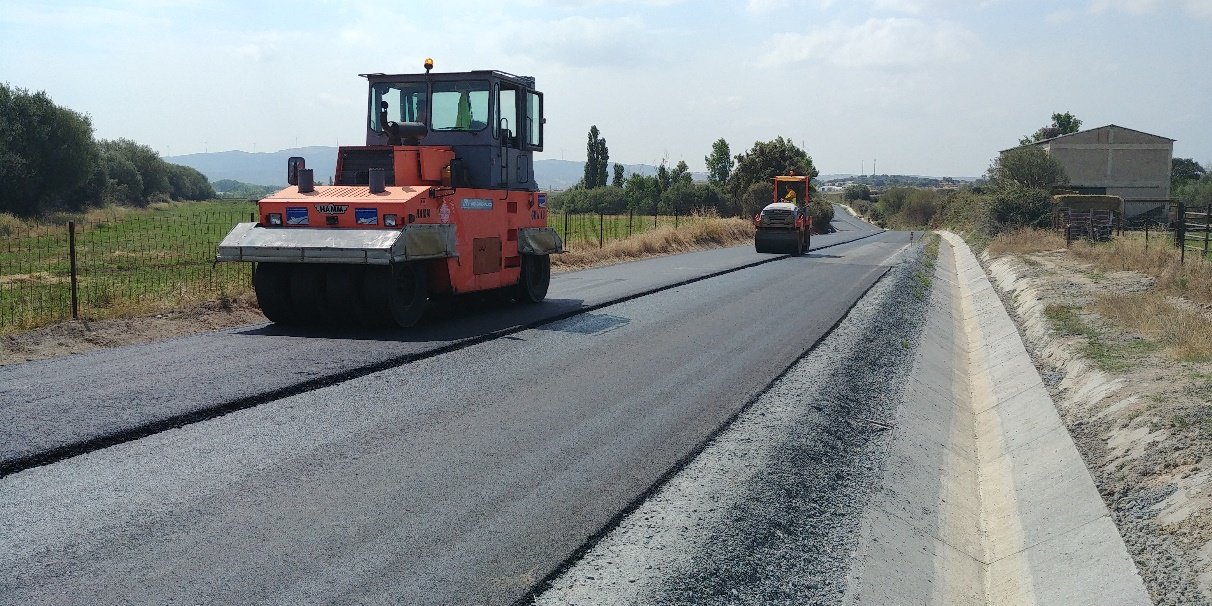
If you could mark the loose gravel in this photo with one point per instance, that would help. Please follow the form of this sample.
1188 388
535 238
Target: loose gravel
769 512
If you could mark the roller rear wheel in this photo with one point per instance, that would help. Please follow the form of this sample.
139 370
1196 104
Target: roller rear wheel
271 282
343 293
535 279
408 294
307 294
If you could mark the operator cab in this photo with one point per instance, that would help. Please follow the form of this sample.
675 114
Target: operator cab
492 120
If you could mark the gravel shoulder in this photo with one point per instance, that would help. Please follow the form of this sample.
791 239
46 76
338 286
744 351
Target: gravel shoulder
769 511
1144 428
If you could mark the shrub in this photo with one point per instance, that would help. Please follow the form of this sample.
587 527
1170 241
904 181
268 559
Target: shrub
821 212
857 191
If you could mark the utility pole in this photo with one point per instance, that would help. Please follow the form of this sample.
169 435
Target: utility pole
863 170
873 173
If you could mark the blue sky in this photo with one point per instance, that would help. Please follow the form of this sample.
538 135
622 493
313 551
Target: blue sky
925 86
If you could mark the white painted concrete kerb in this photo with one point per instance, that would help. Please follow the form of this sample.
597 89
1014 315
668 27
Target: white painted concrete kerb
986 499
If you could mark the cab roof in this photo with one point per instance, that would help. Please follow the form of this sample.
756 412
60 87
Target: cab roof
526 81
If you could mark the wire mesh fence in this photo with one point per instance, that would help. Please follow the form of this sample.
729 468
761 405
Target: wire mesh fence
116 264
146 261
599 229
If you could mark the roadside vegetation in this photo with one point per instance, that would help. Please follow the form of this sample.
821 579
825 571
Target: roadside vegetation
49 162
738 185
702 231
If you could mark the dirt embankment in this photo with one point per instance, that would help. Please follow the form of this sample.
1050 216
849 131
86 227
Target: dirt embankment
1137 401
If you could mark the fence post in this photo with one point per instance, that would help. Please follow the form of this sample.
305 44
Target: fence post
675 216
655 208
1146 235
1207 228
1180 233
630 218
601 230
252 217
566 225
71 253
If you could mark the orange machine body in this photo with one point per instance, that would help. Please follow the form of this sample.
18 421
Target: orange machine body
486 220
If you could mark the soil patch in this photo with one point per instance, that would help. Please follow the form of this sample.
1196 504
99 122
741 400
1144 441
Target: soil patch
77 337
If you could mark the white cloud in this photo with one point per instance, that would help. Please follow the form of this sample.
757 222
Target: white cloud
919 7
903 43
765 6
1197 8
590 41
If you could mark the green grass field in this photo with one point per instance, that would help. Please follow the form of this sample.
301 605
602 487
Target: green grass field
135 261
128 261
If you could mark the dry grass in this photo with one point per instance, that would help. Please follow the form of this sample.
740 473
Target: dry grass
1192 280
701 233
1024 240
1183 331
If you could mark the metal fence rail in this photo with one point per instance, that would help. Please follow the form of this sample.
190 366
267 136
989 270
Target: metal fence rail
1194 230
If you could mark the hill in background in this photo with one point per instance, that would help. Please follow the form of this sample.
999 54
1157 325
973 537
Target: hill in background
269 168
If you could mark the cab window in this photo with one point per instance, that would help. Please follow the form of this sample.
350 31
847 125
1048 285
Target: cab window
461 105
405 103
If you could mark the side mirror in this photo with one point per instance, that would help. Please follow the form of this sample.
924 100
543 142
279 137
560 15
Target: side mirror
293 165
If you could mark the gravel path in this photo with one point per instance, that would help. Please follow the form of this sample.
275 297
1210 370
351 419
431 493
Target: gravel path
769 512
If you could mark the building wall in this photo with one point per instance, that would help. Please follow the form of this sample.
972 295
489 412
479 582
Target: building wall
1127 163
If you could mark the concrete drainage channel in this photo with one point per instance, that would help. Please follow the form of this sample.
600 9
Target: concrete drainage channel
912 457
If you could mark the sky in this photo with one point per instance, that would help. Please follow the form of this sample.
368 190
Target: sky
928 87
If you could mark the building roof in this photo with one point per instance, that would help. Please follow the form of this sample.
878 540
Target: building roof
1041 142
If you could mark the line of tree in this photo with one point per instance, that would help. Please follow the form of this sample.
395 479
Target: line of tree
230 188
49 161
736 186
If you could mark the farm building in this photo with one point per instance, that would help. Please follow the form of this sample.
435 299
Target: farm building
1116 161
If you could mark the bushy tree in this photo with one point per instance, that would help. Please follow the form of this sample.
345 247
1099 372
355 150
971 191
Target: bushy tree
684 197
642 192
617 181
1062 124
1183 170
681 174
857 191
756 197
719 163
1196 193
1028 166
47 155
764 161
1013 205
821 212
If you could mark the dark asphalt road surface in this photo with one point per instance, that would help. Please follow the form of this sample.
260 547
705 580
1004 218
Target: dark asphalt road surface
55 408
461 478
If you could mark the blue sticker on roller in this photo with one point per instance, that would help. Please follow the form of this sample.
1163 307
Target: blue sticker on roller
367 216
476 204
542 200
296 215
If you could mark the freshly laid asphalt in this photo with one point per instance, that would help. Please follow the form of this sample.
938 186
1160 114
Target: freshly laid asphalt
461 477
53 409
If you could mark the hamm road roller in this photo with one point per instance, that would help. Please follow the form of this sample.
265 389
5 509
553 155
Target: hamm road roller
785 226
440 201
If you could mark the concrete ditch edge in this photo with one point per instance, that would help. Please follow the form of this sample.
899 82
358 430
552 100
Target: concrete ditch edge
986 499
